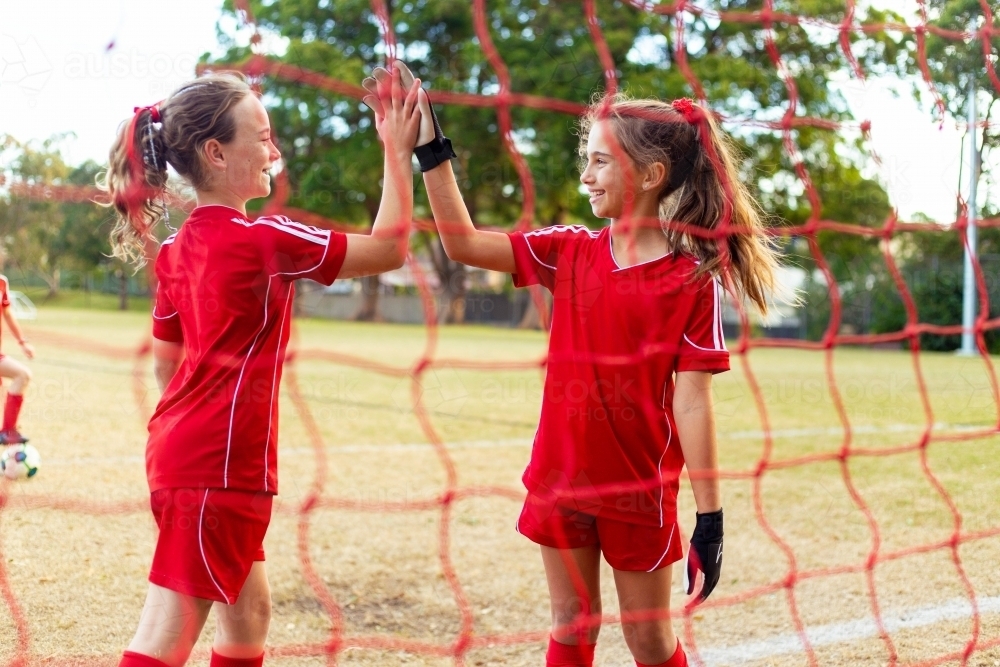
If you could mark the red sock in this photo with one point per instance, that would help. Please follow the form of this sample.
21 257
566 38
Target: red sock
11 411
566 655
678 659
130 659
223 661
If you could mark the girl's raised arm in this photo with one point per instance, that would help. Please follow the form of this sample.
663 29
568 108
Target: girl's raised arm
385 248
462 241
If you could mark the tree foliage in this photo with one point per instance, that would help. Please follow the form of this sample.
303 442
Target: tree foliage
46 237
331 149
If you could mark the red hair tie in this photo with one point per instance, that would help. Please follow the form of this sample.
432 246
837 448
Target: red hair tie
686 107
154 111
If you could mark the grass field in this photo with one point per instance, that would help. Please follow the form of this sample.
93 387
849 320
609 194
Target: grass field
78 571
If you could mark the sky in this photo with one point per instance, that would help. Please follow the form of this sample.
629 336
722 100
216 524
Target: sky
57 76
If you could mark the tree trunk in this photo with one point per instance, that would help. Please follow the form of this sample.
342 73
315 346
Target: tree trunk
368 312
52 282
531 319
451 274
453 294
122 289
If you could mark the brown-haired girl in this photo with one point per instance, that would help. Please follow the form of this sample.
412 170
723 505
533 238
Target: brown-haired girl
636 336
220 326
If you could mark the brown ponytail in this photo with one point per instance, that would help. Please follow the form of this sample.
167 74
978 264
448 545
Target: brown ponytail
711 196
172 132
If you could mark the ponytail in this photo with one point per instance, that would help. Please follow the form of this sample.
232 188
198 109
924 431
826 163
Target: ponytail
172 132
136 183
702 189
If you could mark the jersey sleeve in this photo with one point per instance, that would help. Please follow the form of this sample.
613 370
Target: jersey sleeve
294 250
537 253
703 347
166 319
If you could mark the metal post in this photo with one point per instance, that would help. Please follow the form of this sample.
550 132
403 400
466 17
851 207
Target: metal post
969 291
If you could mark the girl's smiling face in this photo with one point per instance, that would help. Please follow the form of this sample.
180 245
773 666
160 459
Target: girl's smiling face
248 158
610 176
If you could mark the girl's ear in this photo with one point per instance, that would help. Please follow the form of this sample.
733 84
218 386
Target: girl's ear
654 177
214 156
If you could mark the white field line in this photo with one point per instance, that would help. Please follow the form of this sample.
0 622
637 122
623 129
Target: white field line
518 442
837 633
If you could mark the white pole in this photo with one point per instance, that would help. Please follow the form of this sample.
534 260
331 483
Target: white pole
969 291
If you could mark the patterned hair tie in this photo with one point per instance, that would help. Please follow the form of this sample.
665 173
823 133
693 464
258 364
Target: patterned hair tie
153 109
687 108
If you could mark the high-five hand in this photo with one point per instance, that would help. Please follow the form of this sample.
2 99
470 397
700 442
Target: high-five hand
397 116
432 147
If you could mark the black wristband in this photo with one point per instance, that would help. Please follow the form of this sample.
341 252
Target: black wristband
434 153
708 526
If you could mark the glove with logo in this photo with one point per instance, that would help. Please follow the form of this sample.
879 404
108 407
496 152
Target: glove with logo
705 554
432 148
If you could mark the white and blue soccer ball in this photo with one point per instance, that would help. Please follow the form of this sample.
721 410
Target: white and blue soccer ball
20 461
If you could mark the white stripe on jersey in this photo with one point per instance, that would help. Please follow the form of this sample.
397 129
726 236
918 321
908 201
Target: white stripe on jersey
715 313
170 239
659 465
718 312
314 234
695 345
576 229
201 546
274 391
546 231
532 251
670 541
310 269
718 338
239 381
285 220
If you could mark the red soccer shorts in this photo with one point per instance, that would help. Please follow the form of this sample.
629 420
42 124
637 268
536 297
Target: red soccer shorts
626 546
209 539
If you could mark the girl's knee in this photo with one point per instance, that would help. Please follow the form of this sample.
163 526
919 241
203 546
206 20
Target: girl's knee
650 643
24 375
577 620
247 621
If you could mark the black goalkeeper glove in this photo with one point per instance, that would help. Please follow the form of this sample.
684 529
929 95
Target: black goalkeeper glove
705 554
433 148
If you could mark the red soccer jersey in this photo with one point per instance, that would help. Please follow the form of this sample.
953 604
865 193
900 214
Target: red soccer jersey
606 436
225 291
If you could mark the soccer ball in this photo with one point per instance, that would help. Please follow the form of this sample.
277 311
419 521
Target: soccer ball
19 461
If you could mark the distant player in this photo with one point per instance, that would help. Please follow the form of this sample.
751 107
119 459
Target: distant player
221 326
13 370
636 336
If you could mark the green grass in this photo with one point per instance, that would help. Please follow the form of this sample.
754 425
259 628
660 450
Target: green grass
73 298
371 447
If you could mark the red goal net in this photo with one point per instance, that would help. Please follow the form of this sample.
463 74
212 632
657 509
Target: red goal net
787 573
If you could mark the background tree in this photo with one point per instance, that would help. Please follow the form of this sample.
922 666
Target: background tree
932 263
48 238
953 66
30 228
330 144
